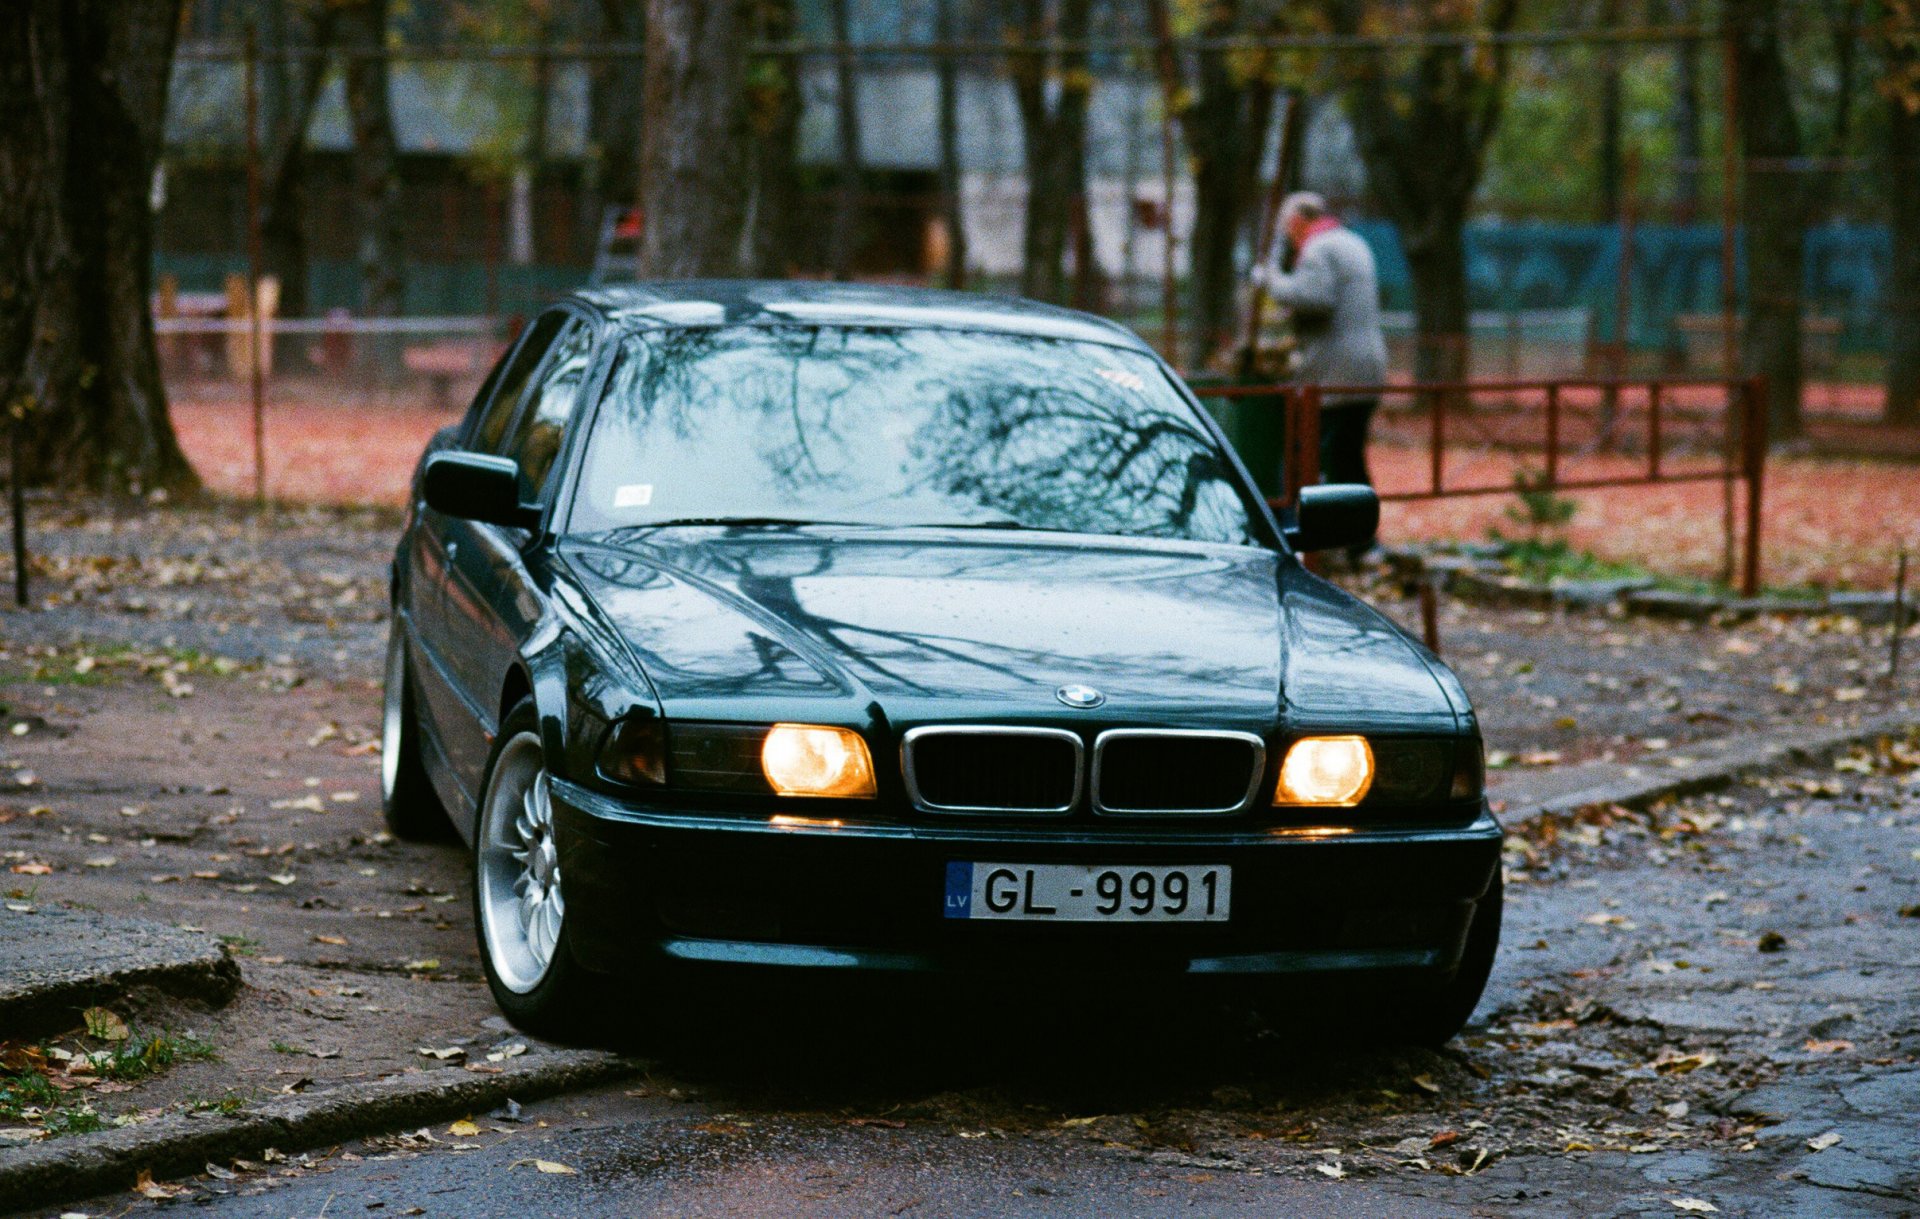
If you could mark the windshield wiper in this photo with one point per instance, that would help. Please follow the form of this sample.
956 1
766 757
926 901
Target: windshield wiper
995 523
750 521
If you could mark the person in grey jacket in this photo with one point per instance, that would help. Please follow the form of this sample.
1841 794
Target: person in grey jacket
1326 279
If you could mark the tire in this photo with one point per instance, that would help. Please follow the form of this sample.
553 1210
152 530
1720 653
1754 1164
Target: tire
1431 1016
519 905
409 804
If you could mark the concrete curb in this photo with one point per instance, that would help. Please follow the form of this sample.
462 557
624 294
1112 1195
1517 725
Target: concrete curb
81 1166
55 963
1731 758
1486 581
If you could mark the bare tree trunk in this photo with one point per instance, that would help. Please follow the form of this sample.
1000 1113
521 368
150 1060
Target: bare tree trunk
376 164
1053 136
84 85
690 155
846 195
1610 158
1225 126
1422 130
773 116
949 102
1902 298
292 93
1437 259
1776 212
1689 149
614 98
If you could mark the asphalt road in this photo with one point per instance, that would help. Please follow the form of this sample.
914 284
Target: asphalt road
1709 1009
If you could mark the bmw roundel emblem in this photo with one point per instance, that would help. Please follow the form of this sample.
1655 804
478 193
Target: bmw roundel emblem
1080 698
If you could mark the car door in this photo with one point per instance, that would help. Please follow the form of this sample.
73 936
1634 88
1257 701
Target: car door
450 720
490 604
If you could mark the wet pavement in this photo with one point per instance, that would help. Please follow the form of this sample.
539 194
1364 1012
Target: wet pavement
1708 1008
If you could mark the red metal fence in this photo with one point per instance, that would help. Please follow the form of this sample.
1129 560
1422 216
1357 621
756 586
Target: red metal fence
1677 441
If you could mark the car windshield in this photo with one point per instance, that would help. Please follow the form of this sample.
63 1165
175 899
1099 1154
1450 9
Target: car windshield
899 427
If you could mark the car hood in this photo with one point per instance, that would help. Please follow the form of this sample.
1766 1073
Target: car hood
963 625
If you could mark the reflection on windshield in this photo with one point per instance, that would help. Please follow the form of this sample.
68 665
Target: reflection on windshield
901 427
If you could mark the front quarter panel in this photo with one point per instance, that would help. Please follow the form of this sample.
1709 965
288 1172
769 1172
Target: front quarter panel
1349 669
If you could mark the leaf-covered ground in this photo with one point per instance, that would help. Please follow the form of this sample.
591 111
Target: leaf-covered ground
1832 522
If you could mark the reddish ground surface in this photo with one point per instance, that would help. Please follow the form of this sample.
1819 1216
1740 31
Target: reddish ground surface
1832 521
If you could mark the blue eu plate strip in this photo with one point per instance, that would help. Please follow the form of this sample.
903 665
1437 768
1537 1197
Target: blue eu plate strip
959 890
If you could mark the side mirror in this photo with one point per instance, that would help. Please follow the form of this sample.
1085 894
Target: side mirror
477 487
1335 516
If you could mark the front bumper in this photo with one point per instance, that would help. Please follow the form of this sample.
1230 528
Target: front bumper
645 886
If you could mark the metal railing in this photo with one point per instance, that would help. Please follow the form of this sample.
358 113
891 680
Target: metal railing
1739 449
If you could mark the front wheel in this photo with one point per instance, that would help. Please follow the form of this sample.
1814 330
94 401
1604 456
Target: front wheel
1432 1015
519 896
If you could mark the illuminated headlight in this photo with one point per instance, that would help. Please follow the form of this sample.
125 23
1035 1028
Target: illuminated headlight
1328 771
810 760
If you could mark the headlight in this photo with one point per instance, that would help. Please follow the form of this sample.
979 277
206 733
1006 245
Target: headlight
1328 771
809 760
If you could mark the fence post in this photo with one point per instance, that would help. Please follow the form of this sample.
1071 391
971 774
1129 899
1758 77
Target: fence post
17 492
1439 436
256 370
1553 436
1755 424
1303 430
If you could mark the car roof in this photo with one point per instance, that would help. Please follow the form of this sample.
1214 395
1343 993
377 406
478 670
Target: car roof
765 302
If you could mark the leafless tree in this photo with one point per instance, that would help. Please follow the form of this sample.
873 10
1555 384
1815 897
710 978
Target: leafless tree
83 84
376 159
695 135
1782 199
1051 90
1423 120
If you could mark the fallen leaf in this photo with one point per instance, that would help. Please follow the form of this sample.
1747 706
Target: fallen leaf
464 1128
1820 1142
450 1052
1444 1138
33 869
1697 1206
104 1025
283 878
1425 1084
1672 1062
1849 694
147 1187
423 966
547 1166
1335 1171
1836 1046
338 941
507 1051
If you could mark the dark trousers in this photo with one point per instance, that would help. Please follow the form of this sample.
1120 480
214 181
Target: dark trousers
1343 441
1343 444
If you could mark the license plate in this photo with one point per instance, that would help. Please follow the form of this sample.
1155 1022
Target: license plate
1089 893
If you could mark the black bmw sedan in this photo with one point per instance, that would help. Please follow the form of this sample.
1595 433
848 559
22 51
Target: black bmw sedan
830 628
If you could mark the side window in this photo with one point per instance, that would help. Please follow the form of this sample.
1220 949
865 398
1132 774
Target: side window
535 441
510 380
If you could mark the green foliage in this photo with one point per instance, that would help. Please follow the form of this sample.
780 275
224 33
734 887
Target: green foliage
1540 509
139 1057
1544 561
